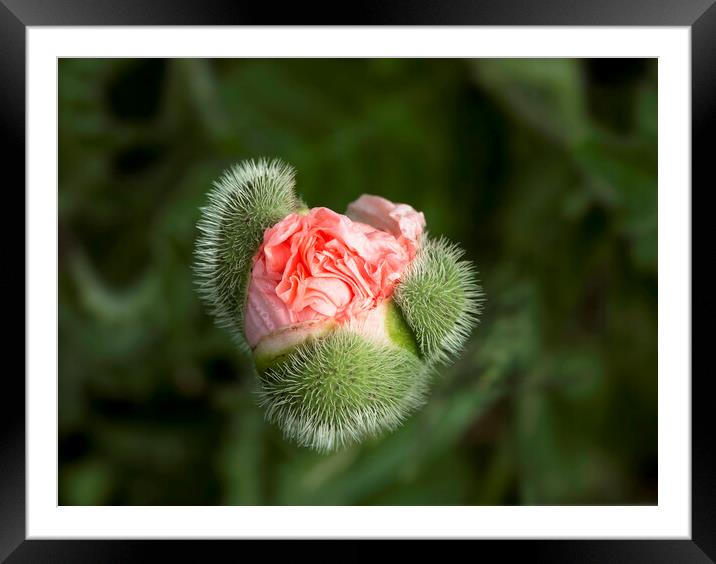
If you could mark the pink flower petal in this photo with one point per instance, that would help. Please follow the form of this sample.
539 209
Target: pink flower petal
396 219
323 265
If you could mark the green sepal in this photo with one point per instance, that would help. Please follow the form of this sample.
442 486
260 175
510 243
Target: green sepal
341 388
440 299
249 198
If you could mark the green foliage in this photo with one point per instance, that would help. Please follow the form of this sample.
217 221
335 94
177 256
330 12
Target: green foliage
340 389
546 93
440 299
249 198
544 173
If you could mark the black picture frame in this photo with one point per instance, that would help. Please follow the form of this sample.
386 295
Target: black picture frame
16 15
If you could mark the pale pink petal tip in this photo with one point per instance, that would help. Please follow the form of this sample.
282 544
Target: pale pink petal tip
396 219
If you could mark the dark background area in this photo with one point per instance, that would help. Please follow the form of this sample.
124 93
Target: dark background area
543 170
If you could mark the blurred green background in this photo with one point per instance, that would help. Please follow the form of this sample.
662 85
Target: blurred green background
543 170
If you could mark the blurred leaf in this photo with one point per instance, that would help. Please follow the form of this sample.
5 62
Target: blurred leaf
628 172
89 482
547 93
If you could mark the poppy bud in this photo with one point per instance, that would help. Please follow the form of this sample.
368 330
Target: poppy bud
345 314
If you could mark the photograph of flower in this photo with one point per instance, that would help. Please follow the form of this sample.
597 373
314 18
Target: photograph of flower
357 281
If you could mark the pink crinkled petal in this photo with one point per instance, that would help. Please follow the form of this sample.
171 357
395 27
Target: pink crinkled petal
265 311
322 265
397 219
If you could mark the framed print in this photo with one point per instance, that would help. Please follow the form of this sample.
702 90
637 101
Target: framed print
421 275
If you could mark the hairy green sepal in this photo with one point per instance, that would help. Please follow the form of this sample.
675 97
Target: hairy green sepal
440 299
341 388
249 198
